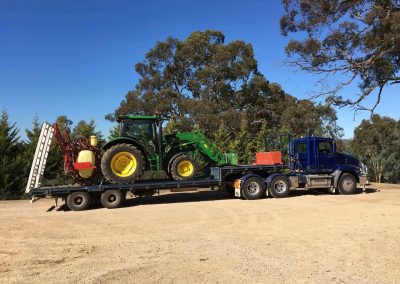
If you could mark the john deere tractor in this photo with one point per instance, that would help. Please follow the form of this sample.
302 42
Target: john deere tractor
141 146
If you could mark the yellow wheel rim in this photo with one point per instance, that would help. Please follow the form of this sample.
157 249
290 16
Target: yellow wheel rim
185 168
123 164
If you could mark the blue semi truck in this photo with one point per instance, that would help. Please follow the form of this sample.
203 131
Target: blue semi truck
311 162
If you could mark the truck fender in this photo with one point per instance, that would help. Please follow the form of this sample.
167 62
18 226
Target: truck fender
269 179
243 179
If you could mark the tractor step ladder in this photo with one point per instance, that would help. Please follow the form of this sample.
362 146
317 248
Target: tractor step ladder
40 158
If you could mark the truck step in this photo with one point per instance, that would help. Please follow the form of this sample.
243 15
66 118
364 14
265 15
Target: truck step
319 181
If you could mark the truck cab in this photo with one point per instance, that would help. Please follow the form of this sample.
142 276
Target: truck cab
318 155
318 160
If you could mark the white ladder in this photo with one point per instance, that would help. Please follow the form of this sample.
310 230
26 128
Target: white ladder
40 158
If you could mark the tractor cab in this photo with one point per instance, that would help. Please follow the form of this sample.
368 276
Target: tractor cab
145 129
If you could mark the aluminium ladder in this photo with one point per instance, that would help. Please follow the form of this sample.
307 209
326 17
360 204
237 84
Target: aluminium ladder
40 158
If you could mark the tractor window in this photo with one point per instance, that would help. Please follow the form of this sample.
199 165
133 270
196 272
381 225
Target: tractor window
141 129
301 147
325 147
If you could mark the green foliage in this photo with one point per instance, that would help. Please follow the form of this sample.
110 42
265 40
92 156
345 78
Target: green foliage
114 132
376 141
222 138
11 159
206 84
86 129
348 41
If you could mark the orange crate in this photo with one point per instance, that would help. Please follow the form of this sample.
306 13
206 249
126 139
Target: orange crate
269 158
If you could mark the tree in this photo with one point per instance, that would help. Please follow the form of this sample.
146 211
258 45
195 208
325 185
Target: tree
114 132
86 129
203 81
302 115
222 138
11 159
349 41
376 143
243 144
33 137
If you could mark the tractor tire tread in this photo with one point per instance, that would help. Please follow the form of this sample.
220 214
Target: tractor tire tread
107 171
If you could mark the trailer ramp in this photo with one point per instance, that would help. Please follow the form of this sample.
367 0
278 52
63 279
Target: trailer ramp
40 158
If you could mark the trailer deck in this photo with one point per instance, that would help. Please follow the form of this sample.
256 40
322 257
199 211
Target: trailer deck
217 176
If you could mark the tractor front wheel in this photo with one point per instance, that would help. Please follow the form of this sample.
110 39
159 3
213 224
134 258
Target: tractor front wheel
183 167
122 163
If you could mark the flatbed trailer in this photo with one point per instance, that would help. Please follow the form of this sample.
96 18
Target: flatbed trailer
111 195
313 164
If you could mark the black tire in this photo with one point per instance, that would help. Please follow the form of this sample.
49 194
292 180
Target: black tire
78 200
279 187
107 167
253 189
112 198
347 184
178 167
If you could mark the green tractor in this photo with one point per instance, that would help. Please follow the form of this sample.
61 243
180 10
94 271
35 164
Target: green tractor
141 146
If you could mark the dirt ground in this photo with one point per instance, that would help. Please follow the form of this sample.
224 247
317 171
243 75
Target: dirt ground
207 237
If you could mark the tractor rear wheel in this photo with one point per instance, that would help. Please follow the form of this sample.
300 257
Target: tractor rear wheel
122 163
183 167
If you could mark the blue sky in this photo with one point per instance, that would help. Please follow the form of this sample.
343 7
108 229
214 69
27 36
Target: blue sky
77 58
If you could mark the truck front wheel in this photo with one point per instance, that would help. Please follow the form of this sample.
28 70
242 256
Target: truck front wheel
78 200
347 184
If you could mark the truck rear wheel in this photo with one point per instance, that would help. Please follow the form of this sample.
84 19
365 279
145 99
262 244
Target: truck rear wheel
78 200
122 163
253 188
183 167
347 184
279 187
112 198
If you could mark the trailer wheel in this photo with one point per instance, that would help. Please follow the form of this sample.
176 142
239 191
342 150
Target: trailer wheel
279 187
78 200
253 188
347 184
111 198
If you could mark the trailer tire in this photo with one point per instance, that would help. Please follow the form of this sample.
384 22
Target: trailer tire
112 198
78 200
279 187
347 184
253 188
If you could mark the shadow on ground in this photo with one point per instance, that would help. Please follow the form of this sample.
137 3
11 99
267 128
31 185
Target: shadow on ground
198 196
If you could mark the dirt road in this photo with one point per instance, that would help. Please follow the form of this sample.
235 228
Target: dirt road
207 237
